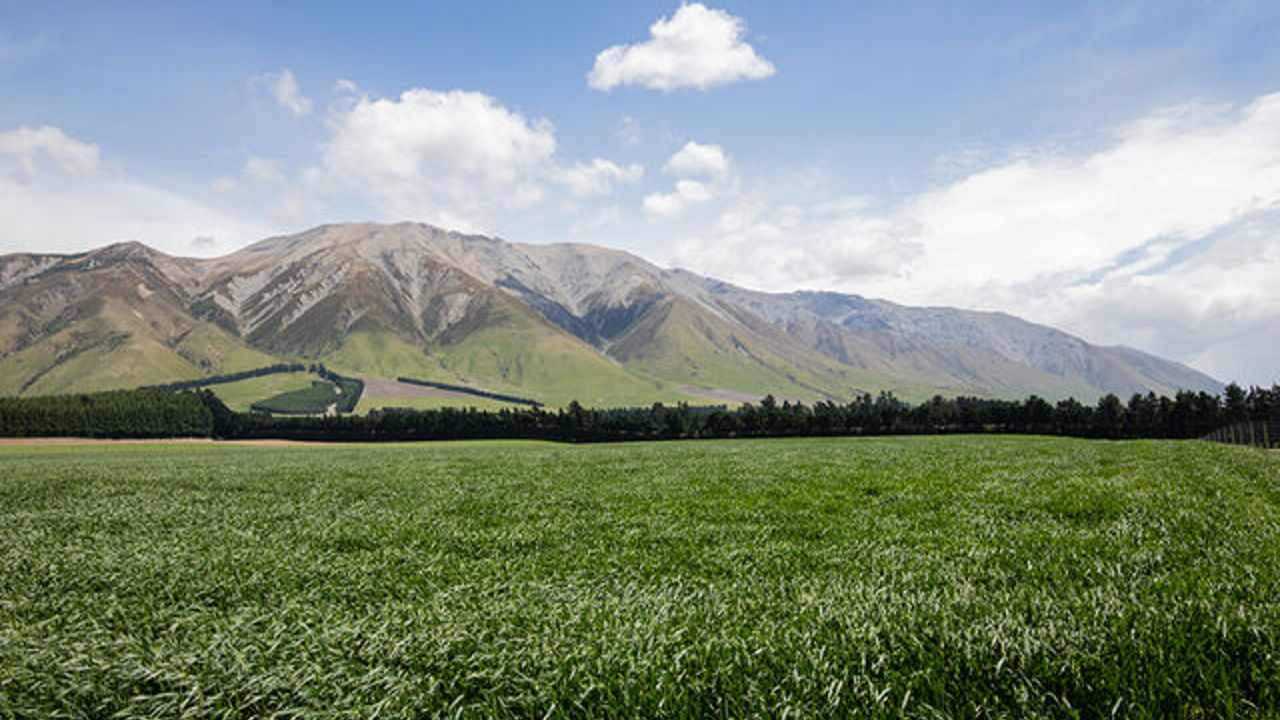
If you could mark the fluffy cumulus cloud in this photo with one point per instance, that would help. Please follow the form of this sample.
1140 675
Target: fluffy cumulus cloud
447 157
697 47
283 86
686 194
704 173
698 159
58 195
1164 231
458 159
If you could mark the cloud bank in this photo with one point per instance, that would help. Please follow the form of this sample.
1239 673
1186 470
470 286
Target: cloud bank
1164 231
57 195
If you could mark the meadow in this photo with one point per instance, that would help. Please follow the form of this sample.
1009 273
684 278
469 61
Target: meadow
877 577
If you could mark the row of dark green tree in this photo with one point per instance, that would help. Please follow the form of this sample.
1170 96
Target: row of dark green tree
1185 415
145 413
154 413
231 377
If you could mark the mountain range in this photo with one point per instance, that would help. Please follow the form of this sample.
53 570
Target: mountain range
554 322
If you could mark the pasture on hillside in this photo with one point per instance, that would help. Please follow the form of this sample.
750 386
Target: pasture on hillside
878 577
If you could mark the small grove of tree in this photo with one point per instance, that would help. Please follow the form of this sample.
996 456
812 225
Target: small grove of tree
119 414
352 388
152 413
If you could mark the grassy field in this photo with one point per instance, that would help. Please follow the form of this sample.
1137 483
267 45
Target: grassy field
315 399
241 394
918 577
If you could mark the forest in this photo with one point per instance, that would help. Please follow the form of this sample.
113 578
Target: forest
199 413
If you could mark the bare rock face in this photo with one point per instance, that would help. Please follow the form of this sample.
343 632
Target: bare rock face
448 300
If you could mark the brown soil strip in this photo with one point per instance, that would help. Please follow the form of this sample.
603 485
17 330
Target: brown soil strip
384 388
730 396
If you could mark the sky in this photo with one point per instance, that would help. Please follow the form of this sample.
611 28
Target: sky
1108 168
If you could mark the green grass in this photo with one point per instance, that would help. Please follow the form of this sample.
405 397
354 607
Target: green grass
313 400
120 348
519 356
241 394
918 577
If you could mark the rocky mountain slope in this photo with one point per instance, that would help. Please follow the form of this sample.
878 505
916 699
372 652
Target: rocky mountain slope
556 322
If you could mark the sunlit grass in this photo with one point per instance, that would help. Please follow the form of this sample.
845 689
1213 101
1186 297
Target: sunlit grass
926 577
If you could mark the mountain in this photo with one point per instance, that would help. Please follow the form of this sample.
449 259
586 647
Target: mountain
554 322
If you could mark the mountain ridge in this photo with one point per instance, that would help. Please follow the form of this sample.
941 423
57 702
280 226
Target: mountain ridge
559 320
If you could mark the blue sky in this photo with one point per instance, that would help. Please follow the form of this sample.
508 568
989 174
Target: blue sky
1111 168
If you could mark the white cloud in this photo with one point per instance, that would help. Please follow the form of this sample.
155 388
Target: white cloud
673 204
56 195
1212 304
457 159
452 158
708 162
598 177
697 47
758 242
697 159
1168 178
32 147
1164 231
284 88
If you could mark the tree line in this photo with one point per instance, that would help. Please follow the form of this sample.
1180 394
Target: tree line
1185 415
230 377
146 413
153 413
